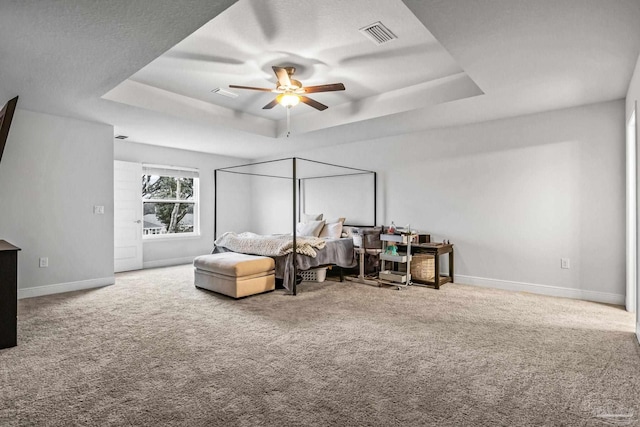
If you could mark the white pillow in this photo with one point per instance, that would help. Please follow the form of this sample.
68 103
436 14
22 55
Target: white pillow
311 217
311 228
332 230
332 220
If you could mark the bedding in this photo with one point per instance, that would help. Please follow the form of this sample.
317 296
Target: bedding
332 230
256 244
338 252
311 228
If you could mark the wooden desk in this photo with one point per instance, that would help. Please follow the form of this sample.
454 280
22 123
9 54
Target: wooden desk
435 249
8 294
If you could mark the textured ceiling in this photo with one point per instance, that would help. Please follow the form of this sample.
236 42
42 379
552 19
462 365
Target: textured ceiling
454 62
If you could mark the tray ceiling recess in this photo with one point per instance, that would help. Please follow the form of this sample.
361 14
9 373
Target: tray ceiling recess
399 66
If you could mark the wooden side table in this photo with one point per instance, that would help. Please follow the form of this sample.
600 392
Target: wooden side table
435 249
8 294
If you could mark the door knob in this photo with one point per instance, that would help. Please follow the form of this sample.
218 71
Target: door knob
138 221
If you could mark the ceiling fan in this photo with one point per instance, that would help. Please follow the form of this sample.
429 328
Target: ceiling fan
291 91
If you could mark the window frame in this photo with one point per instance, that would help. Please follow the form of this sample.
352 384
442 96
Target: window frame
195 201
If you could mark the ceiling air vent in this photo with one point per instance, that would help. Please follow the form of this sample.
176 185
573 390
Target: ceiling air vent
121 137
223 92
378 33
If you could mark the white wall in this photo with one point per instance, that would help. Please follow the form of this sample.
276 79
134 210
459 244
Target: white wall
53 171
514 196
633 96
272 205
350 197
235 202
233 216
633 93
334 195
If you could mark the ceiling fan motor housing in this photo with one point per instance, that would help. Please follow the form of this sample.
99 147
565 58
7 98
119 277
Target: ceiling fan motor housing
295 85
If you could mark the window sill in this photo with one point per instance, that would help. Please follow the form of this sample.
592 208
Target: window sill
168 237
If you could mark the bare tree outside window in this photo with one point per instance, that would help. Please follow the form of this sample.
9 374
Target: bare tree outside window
168 203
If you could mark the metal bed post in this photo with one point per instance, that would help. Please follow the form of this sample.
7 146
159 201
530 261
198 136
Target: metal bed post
375 198
294 285
300 200
215 204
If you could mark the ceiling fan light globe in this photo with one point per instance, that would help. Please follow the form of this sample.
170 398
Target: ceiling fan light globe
288 100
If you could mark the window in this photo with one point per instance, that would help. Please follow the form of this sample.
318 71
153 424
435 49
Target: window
169 201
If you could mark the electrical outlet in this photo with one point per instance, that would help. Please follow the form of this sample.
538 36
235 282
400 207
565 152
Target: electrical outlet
564 263
44 262
98 210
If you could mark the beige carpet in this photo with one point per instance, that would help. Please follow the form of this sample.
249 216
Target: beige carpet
153 350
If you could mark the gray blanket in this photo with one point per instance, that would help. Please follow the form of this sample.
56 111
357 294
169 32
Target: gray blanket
337 252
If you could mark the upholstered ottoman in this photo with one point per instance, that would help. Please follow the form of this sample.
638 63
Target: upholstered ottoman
233 274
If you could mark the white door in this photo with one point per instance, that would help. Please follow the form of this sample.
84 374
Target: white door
127 213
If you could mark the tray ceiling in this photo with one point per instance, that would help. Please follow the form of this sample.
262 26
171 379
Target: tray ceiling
323 42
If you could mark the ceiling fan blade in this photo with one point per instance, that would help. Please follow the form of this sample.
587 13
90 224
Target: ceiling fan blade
263 89
315 104
283 76
271 104
324 88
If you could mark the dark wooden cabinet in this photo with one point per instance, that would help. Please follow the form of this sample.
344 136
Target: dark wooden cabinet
8 294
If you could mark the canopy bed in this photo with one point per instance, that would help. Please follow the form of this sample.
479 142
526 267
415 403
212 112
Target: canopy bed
312 185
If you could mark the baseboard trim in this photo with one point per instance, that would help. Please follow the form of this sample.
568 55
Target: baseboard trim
58 288
168 262
554 291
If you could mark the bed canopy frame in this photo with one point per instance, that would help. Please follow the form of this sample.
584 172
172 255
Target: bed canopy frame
298 170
